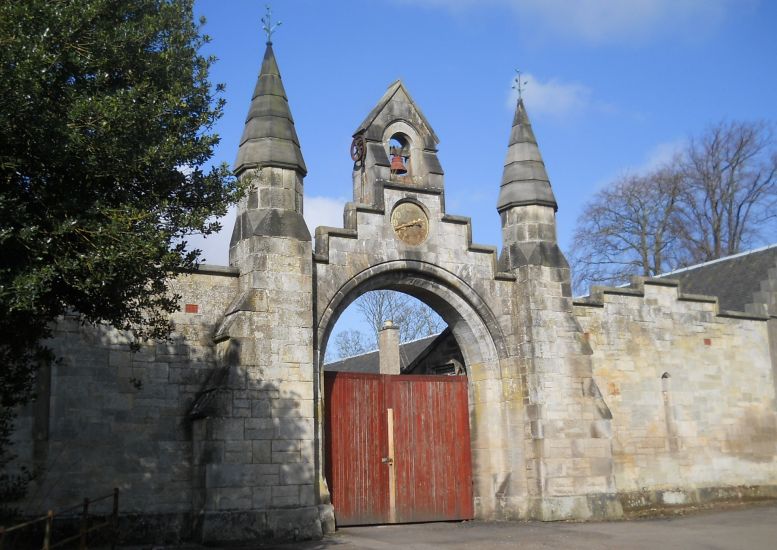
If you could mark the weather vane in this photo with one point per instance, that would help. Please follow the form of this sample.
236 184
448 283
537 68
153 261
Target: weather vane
519 84
268 25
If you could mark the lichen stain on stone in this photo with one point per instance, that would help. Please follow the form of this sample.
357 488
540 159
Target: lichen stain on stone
754 436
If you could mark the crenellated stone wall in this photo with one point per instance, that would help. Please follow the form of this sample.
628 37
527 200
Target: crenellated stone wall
691 392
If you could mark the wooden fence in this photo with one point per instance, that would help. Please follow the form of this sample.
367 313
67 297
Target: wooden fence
85 528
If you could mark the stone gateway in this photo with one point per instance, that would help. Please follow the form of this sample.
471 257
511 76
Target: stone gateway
630 398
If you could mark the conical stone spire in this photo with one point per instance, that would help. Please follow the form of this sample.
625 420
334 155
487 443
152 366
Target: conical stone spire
524 181
269 137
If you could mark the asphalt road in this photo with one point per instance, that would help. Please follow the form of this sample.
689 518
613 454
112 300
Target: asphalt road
750 528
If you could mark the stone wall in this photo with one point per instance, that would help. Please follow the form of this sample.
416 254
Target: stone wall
691 392
117 418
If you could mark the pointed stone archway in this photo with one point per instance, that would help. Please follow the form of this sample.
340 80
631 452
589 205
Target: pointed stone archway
479 337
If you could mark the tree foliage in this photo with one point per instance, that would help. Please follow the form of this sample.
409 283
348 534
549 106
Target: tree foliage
105 129
717 197
413 318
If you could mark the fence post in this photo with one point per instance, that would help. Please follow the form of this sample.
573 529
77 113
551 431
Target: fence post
47 533
114 517
84 525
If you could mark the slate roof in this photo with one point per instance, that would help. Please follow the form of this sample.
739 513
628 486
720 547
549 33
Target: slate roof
733 279
524 180
370 363
269 137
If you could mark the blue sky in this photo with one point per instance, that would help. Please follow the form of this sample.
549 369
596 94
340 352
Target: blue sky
614 85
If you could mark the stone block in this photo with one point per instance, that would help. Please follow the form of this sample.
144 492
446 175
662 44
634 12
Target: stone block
226 428
307 495
285 496
259 428
120 358
294 428
286 445
240 475
302 390
261 408
233 498
262 451
262 497
286 457
297 474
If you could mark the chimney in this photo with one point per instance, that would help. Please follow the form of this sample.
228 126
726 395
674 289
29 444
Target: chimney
388 348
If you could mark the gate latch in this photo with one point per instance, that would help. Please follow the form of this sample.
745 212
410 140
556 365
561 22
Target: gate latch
387 460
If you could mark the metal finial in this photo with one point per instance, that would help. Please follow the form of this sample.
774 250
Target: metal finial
519 85
268 25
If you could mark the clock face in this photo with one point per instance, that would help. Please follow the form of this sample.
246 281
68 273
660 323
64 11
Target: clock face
410 223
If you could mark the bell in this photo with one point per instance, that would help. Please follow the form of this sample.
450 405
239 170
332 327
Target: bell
398 165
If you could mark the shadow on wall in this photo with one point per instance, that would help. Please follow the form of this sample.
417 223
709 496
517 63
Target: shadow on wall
177 430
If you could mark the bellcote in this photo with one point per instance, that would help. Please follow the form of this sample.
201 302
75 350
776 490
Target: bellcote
395 144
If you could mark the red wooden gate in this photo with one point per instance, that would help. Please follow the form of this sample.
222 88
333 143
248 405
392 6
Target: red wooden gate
397 448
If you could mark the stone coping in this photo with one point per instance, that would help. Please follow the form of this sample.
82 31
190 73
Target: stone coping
213 269
636 289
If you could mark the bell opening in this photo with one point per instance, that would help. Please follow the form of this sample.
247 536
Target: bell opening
399 152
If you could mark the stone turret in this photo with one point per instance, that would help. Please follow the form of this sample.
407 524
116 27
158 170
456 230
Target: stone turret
270 159
526 203
257 458
577 424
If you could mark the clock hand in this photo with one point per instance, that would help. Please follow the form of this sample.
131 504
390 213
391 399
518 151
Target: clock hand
418 223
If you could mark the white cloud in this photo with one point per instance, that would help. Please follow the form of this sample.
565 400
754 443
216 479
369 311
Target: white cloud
656 157
552 97
660 155
215 248
323 211
606 21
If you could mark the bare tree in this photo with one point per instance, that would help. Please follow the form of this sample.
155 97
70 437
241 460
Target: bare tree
717 197
729 190
351 342
414 319
628 229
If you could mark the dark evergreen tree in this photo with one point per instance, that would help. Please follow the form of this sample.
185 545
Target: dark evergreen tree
105 134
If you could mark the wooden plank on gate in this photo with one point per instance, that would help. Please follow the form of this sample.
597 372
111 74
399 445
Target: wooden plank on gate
432 447
355 439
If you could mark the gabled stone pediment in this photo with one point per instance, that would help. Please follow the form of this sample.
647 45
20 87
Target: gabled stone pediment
397 104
